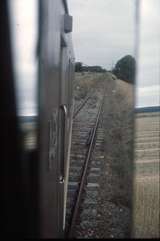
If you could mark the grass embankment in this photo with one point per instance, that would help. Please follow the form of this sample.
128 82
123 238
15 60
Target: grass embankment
119 141
85 82
117 171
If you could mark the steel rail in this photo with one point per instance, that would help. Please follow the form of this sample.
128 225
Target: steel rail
84 175
81 106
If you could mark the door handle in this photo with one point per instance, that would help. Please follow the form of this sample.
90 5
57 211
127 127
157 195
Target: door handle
63 110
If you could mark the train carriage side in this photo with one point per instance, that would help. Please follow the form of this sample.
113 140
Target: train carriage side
34 182
55 93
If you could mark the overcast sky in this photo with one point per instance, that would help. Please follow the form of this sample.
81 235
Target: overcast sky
103 32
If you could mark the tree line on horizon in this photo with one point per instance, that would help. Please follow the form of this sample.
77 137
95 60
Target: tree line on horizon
80 67
124 69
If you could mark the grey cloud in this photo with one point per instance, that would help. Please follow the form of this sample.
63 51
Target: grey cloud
104 31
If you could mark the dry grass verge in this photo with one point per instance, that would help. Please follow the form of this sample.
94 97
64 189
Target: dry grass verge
117 170
84 82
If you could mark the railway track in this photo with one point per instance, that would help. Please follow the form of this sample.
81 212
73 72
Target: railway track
80 106
85 163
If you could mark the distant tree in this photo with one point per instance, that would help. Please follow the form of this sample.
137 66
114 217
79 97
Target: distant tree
78 66
125 69
93 69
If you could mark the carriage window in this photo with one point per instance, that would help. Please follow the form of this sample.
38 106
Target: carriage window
24 28
113 186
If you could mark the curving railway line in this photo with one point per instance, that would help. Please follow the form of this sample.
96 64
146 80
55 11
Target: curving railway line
86 156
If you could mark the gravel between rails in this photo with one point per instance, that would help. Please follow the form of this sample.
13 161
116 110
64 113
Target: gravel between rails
82 127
